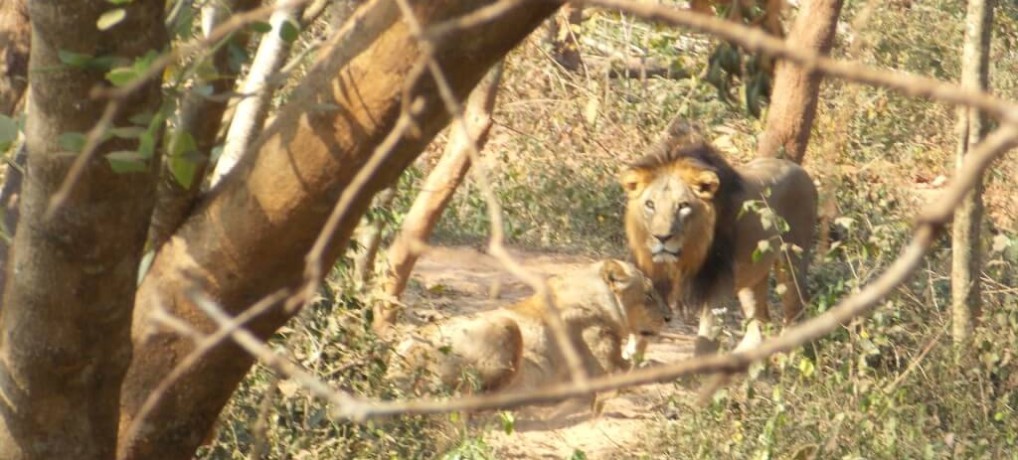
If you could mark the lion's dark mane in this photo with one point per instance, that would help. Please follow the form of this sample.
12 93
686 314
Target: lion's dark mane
715 277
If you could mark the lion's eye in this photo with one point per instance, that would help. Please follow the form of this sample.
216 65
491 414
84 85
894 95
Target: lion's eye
649 205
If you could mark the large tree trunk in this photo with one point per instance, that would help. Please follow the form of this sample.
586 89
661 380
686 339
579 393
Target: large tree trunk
200 118
796 89
436 193
65 328
250 236
972 128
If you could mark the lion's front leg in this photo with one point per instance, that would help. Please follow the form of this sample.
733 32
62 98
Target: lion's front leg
707 333
754 306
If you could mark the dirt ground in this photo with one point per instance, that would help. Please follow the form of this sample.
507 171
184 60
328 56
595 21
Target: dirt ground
458 280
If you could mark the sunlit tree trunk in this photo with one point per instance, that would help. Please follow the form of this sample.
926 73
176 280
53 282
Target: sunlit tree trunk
966 248
796 90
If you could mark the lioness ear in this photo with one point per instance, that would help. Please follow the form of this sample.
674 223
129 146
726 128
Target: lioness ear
633 181
614 274
706 184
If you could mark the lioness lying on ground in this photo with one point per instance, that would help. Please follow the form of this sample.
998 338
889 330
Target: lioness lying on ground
691 230
603 305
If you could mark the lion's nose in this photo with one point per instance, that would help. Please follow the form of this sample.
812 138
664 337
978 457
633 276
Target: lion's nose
663 238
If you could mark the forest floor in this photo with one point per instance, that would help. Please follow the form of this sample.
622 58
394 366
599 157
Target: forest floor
460 280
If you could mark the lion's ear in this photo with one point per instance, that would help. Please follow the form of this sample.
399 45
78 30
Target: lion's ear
706 184
615 274
633 181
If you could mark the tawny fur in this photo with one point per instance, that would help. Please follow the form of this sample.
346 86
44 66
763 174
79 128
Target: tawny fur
704 254
602 305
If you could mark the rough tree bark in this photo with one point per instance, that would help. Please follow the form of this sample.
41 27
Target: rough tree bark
966 249
796 90
436 193
200 117
250 236
76 269
258 87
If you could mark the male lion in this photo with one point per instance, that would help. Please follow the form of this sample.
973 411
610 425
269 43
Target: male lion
602 304
690 230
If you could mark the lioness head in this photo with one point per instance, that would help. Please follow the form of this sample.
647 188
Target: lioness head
670 213
645 311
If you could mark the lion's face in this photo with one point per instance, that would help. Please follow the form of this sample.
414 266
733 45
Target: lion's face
646 312
670 208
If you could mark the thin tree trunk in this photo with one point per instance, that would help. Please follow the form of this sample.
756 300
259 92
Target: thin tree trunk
65 337
200 117
250 236
972 127
796 91
436 193
369 237
258 87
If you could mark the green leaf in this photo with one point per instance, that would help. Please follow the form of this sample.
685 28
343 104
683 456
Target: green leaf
261 27
147 144
126 161
762 247
74 59
508 422
121 76
184 26
111 18
71 141
119 2
8 132
183 158
288 31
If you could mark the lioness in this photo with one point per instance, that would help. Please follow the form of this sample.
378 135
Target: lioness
690 230
602 304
